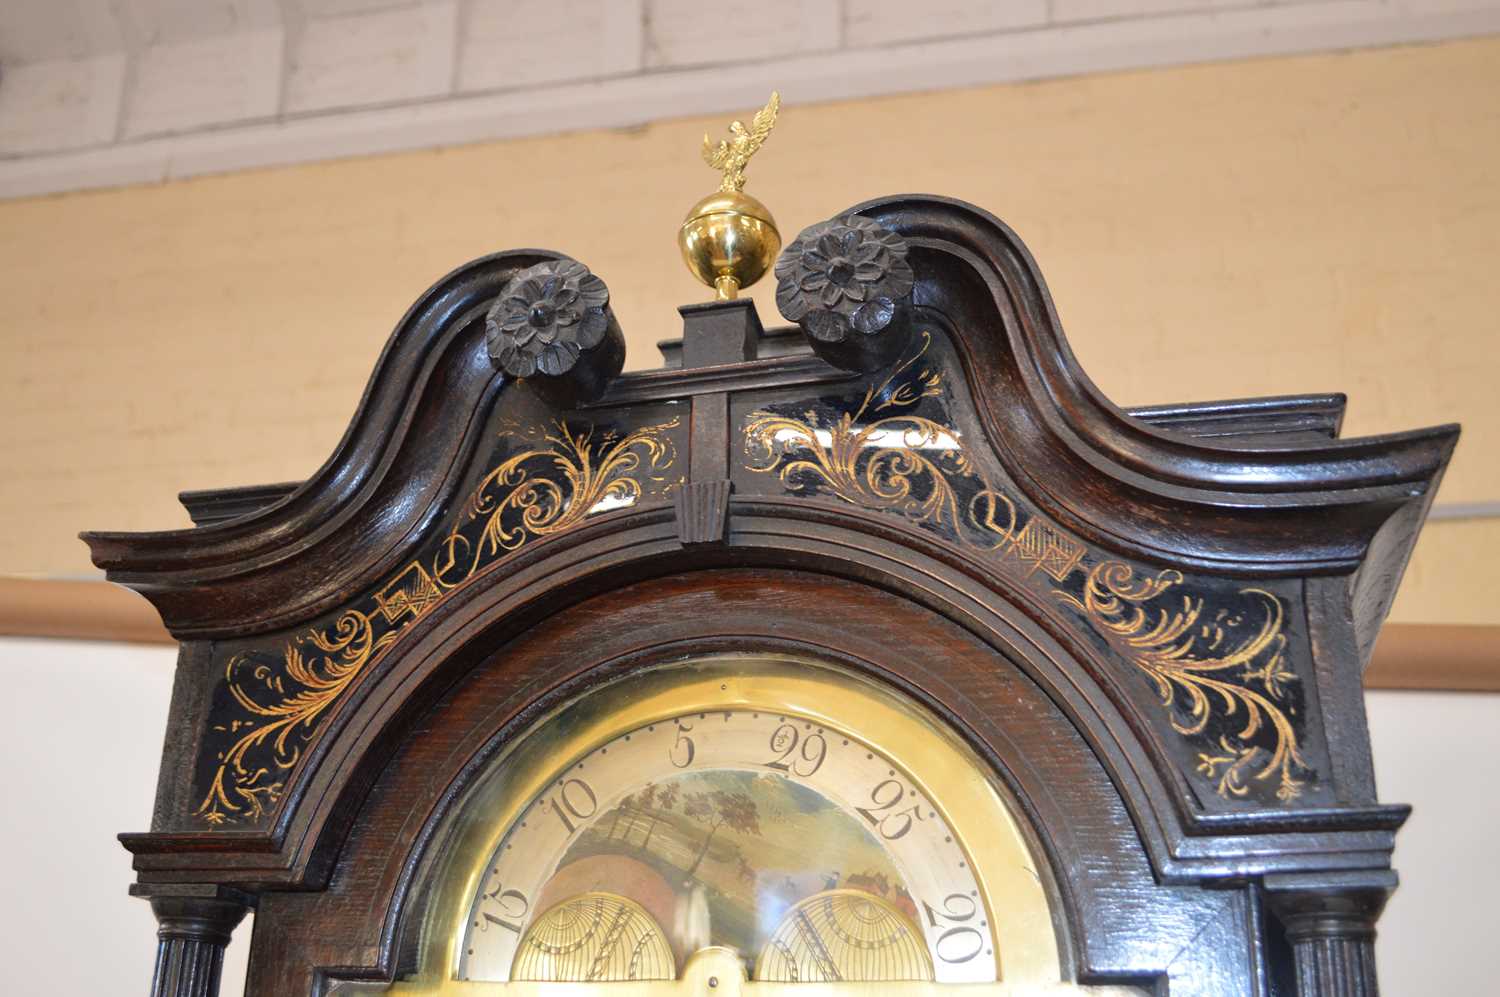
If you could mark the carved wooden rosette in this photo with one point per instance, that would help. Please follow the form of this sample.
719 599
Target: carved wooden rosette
552 327
848 284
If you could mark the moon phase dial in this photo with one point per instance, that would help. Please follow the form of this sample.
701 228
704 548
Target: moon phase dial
794 843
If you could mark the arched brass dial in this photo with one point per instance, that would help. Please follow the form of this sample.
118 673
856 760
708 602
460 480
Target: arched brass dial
720 823
797 820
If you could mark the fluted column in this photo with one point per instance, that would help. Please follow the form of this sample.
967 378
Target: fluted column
1330 920
194 925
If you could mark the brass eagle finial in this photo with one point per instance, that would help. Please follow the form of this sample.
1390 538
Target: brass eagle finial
731 154
729 239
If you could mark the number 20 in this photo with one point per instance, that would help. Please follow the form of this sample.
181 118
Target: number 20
959 942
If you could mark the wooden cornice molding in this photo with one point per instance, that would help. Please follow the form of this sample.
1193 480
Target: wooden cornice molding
400 457
1299 506
1306 507
1434 657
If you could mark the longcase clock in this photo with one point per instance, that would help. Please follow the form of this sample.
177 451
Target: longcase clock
877 654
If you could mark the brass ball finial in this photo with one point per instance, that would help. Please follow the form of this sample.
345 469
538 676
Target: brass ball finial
729 239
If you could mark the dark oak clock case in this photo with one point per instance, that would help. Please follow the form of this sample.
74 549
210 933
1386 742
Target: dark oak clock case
1152 624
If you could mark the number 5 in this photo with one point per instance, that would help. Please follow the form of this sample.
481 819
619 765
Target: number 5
682 739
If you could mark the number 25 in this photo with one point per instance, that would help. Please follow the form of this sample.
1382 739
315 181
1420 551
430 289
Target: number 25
895 824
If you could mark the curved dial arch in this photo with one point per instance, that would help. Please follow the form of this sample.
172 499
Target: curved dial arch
718 822
719 797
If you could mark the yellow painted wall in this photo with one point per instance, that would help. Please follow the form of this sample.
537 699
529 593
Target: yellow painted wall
1276 226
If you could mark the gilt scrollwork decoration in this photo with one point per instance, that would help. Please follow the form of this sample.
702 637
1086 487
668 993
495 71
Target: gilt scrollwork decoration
280 707
550 485
587 477
899 461
1224 666
1217 663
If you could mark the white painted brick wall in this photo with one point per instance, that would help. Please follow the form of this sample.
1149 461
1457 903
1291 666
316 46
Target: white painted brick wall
150 89
505 44
1102 10
694 33
157 22
32 31
888 22
378 57
218 79
62 104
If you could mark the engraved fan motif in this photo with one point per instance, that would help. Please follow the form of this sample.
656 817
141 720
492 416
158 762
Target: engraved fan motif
844 935
594 937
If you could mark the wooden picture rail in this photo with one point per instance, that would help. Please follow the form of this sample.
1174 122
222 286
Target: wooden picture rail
1437 657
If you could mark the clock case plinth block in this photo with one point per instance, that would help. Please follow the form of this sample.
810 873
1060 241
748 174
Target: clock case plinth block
1151 623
